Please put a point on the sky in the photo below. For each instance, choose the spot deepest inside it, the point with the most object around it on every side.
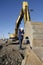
(9, 12)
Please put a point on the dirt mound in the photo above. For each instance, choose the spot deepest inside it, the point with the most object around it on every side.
(10, 57)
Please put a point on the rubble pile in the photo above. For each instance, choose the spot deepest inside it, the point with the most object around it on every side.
(10, 56)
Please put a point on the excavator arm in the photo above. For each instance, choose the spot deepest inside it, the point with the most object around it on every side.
(19, 21)
(24, 13)
(15, 35)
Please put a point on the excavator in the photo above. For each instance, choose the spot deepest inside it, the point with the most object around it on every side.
(24, 13)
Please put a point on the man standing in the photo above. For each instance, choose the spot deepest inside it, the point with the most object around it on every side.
(20, 35)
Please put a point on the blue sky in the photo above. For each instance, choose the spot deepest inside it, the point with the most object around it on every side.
(9, 12)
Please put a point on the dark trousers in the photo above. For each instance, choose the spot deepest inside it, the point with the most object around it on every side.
(20, 42)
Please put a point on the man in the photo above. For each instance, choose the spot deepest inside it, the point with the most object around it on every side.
(20, 35)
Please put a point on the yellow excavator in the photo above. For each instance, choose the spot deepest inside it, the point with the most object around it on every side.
(24, 13)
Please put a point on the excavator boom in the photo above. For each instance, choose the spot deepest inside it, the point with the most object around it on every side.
(24, 13)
